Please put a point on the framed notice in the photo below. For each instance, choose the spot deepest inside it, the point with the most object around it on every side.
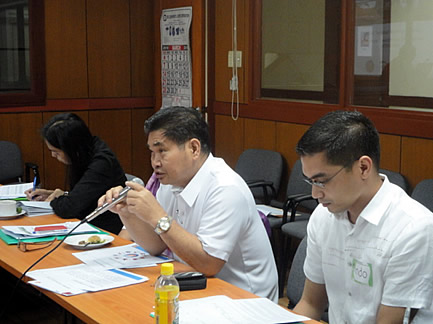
(176, 68)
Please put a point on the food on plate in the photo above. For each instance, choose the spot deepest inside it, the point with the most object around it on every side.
(94, 239)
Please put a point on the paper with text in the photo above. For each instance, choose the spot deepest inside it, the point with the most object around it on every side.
(126, 256)
(81, 278)
(14, 190)
(222, 309)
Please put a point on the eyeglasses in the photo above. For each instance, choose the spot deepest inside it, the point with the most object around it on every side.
(321, 184)
(33, 246)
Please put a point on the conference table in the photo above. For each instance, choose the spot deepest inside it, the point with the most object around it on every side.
(130, 304)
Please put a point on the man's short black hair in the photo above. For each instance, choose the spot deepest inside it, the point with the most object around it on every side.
(180, 124)
(344, 136)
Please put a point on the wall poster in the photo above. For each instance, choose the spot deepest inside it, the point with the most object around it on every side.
(176, 57)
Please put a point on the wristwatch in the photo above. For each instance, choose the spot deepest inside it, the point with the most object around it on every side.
(163, 225)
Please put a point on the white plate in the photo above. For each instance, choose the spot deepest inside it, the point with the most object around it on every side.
(14, 216)
(75, 239)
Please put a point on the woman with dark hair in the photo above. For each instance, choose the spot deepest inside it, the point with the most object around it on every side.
(92, 169)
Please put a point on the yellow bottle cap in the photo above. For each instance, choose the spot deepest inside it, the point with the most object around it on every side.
(167, 269)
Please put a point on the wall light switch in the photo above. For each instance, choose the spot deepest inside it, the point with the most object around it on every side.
(238, 59)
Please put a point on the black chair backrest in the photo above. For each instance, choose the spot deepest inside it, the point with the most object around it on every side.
(423, 193)
(260, 164)
(11, 164)
(396, 178)
(297, 185)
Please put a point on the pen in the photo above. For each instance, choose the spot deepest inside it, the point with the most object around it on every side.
(34, 186)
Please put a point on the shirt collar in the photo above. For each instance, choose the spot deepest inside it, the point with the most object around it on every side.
(376, 208)
(193, 188)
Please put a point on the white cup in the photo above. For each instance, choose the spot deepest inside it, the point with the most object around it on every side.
(8, 207)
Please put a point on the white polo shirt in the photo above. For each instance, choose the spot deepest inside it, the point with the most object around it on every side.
(386, 257)
(217, 206)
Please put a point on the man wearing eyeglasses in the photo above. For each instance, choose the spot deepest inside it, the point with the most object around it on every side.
(370, 246)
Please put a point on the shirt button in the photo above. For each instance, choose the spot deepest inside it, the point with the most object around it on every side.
(350, 294)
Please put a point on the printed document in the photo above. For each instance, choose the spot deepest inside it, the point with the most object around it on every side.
(15, 190)
(120, 257)
(82, 278)
(269, 210)
(222, 309)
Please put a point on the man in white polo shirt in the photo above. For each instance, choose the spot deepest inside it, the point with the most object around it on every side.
(203, 212)
(370, 246)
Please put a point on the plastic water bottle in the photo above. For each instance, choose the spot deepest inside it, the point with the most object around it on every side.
(167, 296)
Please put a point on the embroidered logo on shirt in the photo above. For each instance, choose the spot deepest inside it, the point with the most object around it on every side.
(362, 273)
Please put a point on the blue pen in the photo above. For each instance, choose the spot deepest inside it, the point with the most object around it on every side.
(34, 186)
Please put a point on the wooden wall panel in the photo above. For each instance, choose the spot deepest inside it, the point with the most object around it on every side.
(141, 166)
(243, 45)
(198, 53)
(288, 136)
(54, 175)
(229, 138)
(142, 48)
(223, 44)
(390, 151)
(66, 52)
(23, 130)
(259, 134)
(416, 159)
(108, 48)
(114, 128)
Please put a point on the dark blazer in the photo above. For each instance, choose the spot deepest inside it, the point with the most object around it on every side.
(103, 173)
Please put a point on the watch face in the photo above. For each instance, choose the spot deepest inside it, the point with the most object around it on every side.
(164, 224)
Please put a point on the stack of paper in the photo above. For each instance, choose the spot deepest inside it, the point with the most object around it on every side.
(25, 232)
(15, 190)
(36, 208)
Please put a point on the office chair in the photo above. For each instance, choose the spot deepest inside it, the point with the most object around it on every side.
(297, 208)
(396, 178)
(296, 279)
(296, 187)
(262, 171)
(11, 165)
(423, 193)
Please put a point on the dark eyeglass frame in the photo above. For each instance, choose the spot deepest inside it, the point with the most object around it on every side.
(321, 184)
(33, 246)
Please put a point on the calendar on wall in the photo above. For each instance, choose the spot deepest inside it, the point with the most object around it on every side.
(176, 84)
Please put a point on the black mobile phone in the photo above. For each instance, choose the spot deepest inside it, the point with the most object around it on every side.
(191, 280)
